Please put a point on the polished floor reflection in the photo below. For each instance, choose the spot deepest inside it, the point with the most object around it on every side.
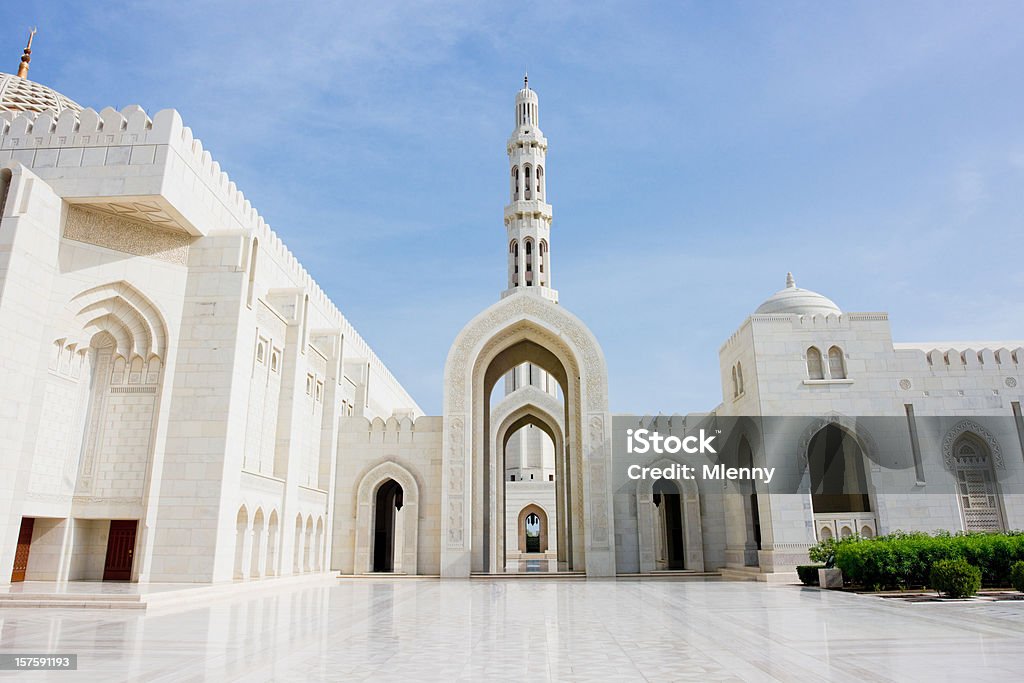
(411, 629)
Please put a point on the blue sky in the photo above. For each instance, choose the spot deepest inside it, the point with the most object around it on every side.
(698, 151)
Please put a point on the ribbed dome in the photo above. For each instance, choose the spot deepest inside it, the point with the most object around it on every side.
(526, 93)
(798, 301)
(20, 94)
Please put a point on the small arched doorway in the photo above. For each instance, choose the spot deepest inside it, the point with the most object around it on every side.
(533, 530)
(669, 516)
(752, 513)
(669, 532)
(976, 485)
(387, 503)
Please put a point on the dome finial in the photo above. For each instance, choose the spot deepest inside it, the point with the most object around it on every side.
(790, 282)
(27, 56)
(526, 80)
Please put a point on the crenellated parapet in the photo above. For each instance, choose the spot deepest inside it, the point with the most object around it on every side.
(393, 430)
(973, 358)
(156, 159)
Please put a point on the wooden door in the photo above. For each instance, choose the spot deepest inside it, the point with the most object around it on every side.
(120, 550)
(21, 554)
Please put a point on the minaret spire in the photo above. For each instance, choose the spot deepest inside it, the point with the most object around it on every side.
(528, 215)
(27, 56)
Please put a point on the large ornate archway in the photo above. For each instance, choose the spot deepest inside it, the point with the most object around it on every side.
(524, 328)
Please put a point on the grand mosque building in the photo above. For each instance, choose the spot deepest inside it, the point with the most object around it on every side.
(181, 402)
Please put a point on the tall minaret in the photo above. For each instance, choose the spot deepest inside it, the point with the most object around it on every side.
(528, 215)
(529, 454)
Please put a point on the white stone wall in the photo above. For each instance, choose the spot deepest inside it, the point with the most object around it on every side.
(118, 200)
(953, 380)
(414, 446)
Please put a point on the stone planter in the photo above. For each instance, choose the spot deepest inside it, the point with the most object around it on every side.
(830, 578)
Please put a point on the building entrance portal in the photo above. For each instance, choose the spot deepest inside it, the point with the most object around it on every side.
(387, 505)
(670, 523)
(526, 330)
(21, 554)
(532, 531)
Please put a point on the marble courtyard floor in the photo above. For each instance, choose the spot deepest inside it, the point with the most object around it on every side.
(532, 629)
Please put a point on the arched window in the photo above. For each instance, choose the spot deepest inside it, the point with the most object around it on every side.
(542, 248)
(836, 366)
(515, 183)
(735, 387)
(540, 182)
(528, 246)
(527, 193)
(739, 377)
(814, 367)
(254, 249)
(515, 263)
(305, 321)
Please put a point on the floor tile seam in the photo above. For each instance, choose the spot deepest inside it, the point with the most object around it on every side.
(754, 638)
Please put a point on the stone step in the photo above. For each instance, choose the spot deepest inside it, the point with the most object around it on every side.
(528, 575)
(668, 575)
(69, 597)
(71, 604)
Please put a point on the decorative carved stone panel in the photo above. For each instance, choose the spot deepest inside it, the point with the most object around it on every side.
(127, 236)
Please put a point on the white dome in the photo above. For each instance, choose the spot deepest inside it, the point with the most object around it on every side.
(21, 94)
(526, 93)
(797, 301)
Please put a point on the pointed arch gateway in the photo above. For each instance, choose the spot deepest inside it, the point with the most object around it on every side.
(524, 328)
(385, 488)
(540, 410)
(668, 521)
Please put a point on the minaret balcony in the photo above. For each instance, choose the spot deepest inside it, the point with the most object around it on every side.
(525, 136)
(527, 208)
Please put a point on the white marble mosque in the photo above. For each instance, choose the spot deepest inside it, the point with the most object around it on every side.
(182, 403)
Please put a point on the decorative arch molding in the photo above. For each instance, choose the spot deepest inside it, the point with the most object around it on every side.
(693, 535)
(858, 433)
(529, 396)
(522, 414)
(406, 541)
(137, 325)
(526, 317)
(549, 318)
(970, 427)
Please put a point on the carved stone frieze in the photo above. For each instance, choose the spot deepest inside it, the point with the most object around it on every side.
(126, 235)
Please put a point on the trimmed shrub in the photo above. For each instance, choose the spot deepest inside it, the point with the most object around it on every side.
(808, 573)
(903, 560)
(1017, 576)
(955, 578)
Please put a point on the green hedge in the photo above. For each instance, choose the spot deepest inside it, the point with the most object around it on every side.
(955, 578)
(1017, 576)
(808, 573)
(903, 560)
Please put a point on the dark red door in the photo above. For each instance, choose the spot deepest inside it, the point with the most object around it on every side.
(120, 550)
(21, 554)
